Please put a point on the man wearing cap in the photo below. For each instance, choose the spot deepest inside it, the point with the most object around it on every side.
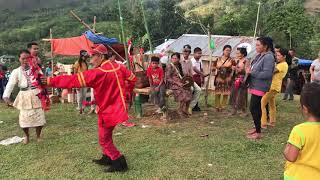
(187, 68)
(108, 81)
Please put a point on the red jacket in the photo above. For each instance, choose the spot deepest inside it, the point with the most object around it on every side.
(108, 82)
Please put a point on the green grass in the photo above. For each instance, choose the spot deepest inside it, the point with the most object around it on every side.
(172, 150)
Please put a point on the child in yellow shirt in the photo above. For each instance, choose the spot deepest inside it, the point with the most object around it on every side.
(303, 149)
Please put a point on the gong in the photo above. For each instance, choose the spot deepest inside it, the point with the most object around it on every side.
(187, 82)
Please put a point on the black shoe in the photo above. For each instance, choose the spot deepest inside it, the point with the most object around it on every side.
(105, 160)
(118, 165)
(196, 109)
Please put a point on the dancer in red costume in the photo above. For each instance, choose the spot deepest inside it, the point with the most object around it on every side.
(108, 81)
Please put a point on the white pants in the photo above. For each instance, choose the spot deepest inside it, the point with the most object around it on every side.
(81, 96)
(196, 95)
(93, 106)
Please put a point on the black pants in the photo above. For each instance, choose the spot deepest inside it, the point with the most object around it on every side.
(255, 109)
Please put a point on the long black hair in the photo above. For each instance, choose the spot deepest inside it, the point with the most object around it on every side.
(268, 42)
(243, 51)
(285, 53)
(179, 66)
(225, 47)
(310, 98)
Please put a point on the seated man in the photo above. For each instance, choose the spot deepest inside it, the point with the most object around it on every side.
(187, 71)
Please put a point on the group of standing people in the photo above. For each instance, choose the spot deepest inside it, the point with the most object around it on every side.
(235, 78)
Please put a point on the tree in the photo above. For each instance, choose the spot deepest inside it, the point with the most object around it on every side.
(292, 20)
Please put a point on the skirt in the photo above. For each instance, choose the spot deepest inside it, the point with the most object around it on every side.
(31, 112)
(31, 118)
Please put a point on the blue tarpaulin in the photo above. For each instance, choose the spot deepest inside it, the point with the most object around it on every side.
(99, 39)
(305, 62)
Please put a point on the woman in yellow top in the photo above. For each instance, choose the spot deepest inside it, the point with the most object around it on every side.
(81, 66)
(270, 97)
(222, 68)
(303, 148)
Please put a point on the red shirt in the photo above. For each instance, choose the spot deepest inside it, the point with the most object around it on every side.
(108, 82)
(2, 74)
(156, 75)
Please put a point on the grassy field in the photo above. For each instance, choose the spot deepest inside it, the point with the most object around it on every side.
(172, 150)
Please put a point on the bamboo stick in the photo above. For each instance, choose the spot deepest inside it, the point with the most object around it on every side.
(87, 26)
(94, 23)
(210, 69)
(51, 55)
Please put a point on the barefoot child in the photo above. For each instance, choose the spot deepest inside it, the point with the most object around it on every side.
(27, 101)
(156, 80)
(302, 151)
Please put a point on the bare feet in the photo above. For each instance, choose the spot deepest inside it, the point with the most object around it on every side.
(255, 136)
(92, 111)
(180, 113)
(252, 131)
(232, 113)
(272, 124)
(128, 124)
(264, 126)
(26, 140)
(243, 114)
(39, 139)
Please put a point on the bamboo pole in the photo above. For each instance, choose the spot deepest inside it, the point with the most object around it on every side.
(87, 26)
(256, 27)
(51, 55)
(210, 68)
(123, 36)
(146, 26)
(94, 23)
(79, 19)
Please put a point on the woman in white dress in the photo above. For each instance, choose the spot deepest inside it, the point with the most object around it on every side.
(31, 112)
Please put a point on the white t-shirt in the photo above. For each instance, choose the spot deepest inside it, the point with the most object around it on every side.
(316, 64)
(196, 64)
